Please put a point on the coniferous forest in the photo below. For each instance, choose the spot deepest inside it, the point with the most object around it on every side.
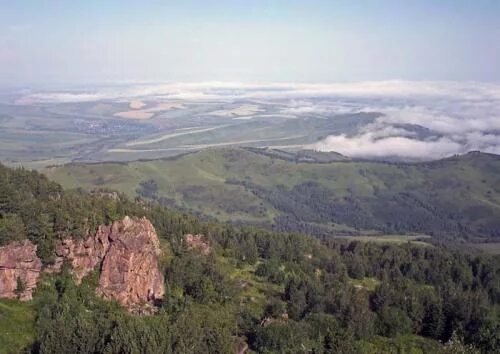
(266, 291)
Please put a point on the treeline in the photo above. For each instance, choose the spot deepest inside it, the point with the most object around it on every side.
(34, 208)
(323, 304)
(300, 156)
(273, 292)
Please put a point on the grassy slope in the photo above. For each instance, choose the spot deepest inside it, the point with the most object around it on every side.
(467, 185)
(16, 325)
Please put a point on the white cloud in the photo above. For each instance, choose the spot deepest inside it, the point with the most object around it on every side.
(236, 90)
(377, 131)
(442, 118)
(305, 107)
(367, 145)
(455, 116)
(390, 141)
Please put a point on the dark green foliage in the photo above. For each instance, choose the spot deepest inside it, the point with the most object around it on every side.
(135, 335)
(300, 293)
(12, 228)
(20, 287)
(148, 189)
(199, 278)
(204, 329)
(283, 337)
(393, 321)
(271, 271)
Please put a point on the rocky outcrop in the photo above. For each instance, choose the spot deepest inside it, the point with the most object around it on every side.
(19, 270)
(82, 255)
(129, 271)
(125, 251)
(198, 242)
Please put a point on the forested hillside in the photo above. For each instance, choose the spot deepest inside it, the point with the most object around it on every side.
(273, 292)
(322, 194)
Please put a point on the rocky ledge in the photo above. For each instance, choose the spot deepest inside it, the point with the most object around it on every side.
(126, 252)
(19, 270)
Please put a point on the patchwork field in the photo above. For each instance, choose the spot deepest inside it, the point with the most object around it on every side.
(33, 134)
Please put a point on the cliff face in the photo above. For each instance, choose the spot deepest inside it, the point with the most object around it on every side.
(126, 252)
(19, 270)
(82, 255)
(129, 271)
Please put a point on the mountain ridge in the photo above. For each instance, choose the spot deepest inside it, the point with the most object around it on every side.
(456, 196)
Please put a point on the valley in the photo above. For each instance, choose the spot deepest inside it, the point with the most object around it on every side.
(50, 130)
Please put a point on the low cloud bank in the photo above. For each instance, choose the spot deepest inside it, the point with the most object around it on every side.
(425, 129)
(367, 145)
(236, 90)
(421, 120)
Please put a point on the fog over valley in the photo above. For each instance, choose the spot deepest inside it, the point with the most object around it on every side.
(403, 120)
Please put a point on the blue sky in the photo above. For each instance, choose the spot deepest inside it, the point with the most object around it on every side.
(75, 42)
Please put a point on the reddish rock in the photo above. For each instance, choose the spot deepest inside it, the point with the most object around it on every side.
(19, 263)
(126, 253)
(129, 271)
(82, 255)
(197, 242)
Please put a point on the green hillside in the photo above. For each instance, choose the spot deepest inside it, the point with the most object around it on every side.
(272, 292)
(323, 195)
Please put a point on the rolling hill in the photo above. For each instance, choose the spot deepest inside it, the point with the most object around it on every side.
(226, 289)
(322, 194)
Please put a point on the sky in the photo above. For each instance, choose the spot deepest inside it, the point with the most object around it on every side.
(82, 42)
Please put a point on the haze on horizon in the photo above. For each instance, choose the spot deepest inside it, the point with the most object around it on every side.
(72, 43)
(420, 78)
